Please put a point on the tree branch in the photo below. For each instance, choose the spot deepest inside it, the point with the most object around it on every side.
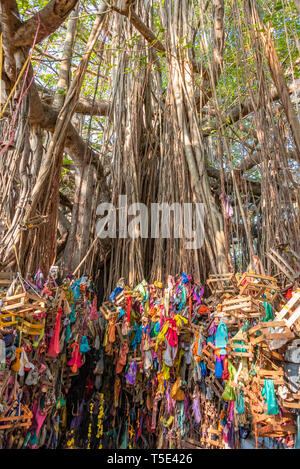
(253, 159)
(46, 116)
(9, 22)
(146, 32)
(64, 200)
(244, 109)
(297, 5)
(255, 187)
(210, 76)
(87, 107)
(84, 106)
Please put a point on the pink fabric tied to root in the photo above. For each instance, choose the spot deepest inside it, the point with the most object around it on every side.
(171, 334)
(93, 316)
(228, 207)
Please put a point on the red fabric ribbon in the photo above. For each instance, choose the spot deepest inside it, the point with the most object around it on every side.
(128, 308)
(94, 313)
(171, 334)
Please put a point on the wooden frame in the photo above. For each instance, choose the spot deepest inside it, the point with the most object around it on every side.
(283, 265)
(7, 320)
(121, 297)
(233, 353)
(23, 305)
(274, 428)
(109, 310)
(258, 286)
(29, 328)
(23, 420)
(265, 335)
(215, 385)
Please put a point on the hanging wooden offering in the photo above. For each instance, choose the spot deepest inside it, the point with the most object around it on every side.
(23, 305)
(261, 287)
(222, 283)
(290, 313)
(109, 310)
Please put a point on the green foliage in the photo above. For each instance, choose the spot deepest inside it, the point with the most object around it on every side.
(239, 78)
(28, 7)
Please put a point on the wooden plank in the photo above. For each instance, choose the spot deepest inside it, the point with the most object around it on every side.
(247, 308)
(3, 324)
(266, 278)
(28, 310)
(276, 355)
(263, 325)
(278, 381)
(242, 299)
(281, 259)
(207, 353)
(277, 428)
(5, 282)
(241, 354)
(8, 275)
(291, 405)
(293, 318)
(262, 372)
(288, 306)
(282, 335)
(221, 276)
(36, 298)
(273, 324)
(14, 297)
(12, 307)
(211, 345)
(262, 418)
